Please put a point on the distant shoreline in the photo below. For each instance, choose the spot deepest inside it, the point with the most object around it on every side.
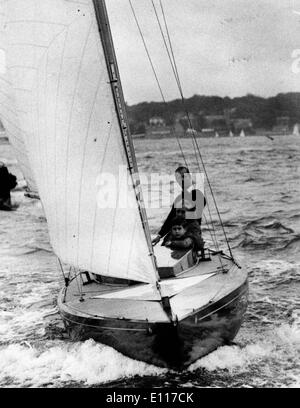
(266, 133)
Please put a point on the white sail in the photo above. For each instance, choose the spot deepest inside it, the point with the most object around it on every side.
(242, 134)
(296, 130)
(63, 116)
(10, 111)
(230, 134)
(216, 134)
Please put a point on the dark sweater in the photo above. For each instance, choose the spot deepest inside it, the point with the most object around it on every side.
(195, 194)
(185, 242)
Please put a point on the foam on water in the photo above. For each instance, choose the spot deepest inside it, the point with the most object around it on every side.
(232, 357)
(61, 362)
(289, 334)
(274, 352)
(34, 349)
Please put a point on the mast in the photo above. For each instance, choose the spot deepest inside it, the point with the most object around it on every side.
(115, 81)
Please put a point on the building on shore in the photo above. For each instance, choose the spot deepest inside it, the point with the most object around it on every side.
(157, 128)
(201, 124)
(242, 124)
(137, 130)
(216, 122)
(282, 125)
(207, 132)
(185, 125)
(157, 121)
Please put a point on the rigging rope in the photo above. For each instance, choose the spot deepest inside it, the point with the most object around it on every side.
(176, 75)
(174, 68)
(194, 141)
(62, 271)
(156, 77)
(212, 233)
(177, 78)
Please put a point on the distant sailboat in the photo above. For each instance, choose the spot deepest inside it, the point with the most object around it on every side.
(230, 134)
(296, 130)
(65, 115)
(242, 134)
(3, 137)
(216, 134)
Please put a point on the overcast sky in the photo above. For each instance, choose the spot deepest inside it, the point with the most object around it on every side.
(222, 47)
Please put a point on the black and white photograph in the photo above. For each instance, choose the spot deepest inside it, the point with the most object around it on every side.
(150, 196)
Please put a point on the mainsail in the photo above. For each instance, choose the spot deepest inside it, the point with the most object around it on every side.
(64, 118)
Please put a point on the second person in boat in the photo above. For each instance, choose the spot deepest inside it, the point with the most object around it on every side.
(189, 204)
(179, 237)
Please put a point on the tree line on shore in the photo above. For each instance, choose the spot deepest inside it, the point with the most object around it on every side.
(263, 112)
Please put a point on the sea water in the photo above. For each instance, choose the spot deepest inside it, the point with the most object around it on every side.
(256, 185)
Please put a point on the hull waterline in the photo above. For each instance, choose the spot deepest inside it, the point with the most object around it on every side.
(170, 345)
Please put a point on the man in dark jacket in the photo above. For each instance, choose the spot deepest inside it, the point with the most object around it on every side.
(7, 182)
(189, 204)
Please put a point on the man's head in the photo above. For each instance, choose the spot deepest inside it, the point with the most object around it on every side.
(180, 212)
(178, 227)
(183, 177)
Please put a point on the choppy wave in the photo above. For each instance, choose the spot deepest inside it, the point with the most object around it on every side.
(268, 356)
(85, 363)
(264, 233)
(257, 189)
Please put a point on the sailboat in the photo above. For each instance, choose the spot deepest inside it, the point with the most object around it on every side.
(242, 134)
(216, 134)
(65, 115)
(296, 130)
(230, 134)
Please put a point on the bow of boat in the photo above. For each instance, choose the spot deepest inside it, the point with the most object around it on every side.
(208, 305)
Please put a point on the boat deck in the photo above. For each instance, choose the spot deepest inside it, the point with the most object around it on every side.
(192, 290)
